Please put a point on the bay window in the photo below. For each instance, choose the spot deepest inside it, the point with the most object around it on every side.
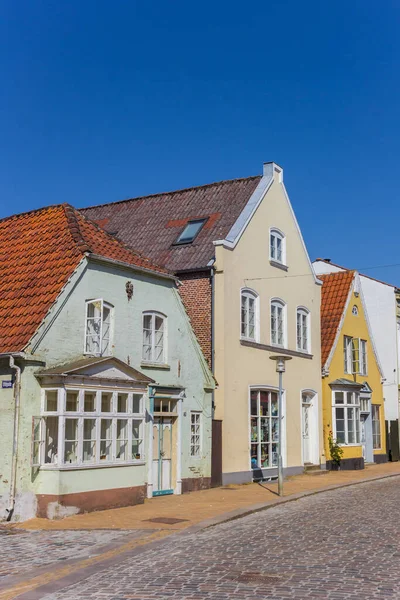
(264, 428)
(346, 417)
(88, 427)
(98, 327)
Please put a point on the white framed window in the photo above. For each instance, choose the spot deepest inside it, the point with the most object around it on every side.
(249, 315)
(277, 246)
(278, 323)
(264, 428)
(98, 327)
(376, 427)
(355, 355)
(195, 433)
(346, 416)
(154, 337)
(89, 427)
(303, 330)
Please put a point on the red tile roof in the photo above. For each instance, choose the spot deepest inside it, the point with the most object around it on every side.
(39, 251)
(335, 291)
(152, 224)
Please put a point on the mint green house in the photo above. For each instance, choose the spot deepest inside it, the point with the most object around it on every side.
(105, 394)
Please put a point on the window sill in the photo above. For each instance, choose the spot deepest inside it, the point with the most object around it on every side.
(81, 467)
(278, 265)
(359, 445)
(153, 365)
(276, 349)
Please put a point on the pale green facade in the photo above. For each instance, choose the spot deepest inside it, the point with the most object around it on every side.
(60, 340)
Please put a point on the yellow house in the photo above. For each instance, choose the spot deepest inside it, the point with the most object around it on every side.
(352, 392)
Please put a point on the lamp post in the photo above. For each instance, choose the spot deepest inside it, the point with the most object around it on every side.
(280, 368)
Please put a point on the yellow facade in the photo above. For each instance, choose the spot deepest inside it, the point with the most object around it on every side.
(354, 325)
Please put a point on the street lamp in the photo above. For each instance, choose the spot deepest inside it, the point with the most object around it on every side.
(280, 368)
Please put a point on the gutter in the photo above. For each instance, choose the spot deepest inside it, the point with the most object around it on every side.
(120, 263)
(17, 387)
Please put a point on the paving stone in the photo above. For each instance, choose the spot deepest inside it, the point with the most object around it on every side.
(340, 545)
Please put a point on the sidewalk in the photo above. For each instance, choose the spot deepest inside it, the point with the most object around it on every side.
(196, 507)
(145, 526)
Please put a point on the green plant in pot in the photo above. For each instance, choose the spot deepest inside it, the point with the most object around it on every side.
(335, 451)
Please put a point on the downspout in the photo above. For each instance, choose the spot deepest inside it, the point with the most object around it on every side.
(212, 276)
(17, 387)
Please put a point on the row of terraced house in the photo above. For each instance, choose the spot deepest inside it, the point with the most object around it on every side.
(135, 347)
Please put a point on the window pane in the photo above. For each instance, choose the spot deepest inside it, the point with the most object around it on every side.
(122, 439)
(278, 249)
(72, 402)
(105, 343)
(265, 457)
(340, 431)
(51, 403)
(274, 404)
(190, 231)
(122, 404)
(93, 327)
(71, 441)
(106, 439)
(106, 402)
(243, 325)
(264, 431)
(339, 398)
(253, 403)
(89, 401)
(272, 246)
(349, 396)
(137, 451)
(51, 440)
(350, 426)
(254, 429)
(264, 403)
(89, 440)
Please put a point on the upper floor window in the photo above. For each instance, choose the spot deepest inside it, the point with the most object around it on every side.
(191, 231)
(249, 315)
(355, 355)
(277, 249)
(303, 329)
(154, 330)
(278, 322)
(98, 325)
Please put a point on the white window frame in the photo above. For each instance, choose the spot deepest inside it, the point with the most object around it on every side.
(355, 354)
(374, 408)
(302, 311)
(250, 294)
(103, 305)
(278, 303)
(274, 235)
(355, 405)
(96, 415)
(197, 414)
(154, 314)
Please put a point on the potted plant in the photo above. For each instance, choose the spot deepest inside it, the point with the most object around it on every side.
(336, 452)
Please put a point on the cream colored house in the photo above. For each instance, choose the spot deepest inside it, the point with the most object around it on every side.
(267, 302)
(250, 291)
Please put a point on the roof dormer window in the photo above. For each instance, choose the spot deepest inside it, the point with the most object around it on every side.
(191, 231)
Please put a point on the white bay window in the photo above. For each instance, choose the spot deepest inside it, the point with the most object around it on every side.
(346, 417)
(88, 427)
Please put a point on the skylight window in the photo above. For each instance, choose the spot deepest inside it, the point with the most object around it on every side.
(191, 231)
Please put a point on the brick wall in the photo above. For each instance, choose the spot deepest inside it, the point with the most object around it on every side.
(196, 295)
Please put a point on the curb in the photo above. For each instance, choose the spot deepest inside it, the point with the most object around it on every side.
(40, 591)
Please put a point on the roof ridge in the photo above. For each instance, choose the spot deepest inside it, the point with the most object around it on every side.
(74, 228)
(188, 189)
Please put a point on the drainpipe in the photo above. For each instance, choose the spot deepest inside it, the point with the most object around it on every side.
(212, 275)
(152, 393)
(17, 386)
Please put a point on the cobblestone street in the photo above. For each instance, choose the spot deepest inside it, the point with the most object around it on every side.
(336, 545)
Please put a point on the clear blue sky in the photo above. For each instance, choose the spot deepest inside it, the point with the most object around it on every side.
(105, 100)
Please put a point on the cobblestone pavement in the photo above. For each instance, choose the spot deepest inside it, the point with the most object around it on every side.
(337, 545)
(21, 551)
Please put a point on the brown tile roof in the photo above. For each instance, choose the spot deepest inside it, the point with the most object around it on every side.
(335, 290)
(39, 251)
(152, 224)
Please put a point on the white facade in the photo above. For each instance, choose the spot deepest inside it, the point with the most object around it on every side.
(380, 302)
